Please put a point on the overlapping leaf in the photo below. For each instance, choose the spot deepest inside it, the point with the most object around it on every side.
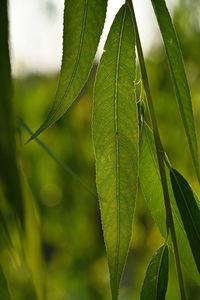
(115, 134)
(83, 24)
(179, 79)
(189, 211)
(156, 279)
(152, 190)
(4, 293)
(9, 174)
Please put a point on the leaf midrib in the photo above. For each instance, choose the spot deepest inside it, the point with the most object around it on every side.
(117, 141)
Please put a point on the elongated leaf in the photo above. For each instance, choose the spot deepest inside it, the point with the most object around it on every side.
(115, 134)
(9, 174)
(83, 24)
(33, 241)
(189, 211)
(152, 190)
(179, 79)
(4, 293)
(156, 279)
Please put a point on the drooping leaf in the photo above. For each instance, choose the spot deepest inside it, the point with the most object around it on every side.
(83, 24)
(4, 293)
(156, 278)
(179, 79)
(189, 211)
(152, 190)
(9, 174)
(115, 135)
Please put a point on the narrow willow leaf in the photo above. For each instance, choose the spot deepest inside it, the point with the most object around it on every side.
(4, 293)
(83, 24)
(115, 135)
(152, 190)
(189, 211)
(156, 279)
(9, 174)
(179, 79)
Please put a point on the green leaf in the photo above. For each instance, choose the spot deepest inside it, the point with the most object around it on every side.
(189, 211)
(152, 190)
(179, 79)
(4, 293)
(156, 279)
(115, 135)
(9, 174)
(32, 241)
(83, 24)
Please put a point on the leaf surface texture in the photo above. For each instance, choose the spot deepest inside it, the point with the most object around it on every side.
(115, 135)
(83, 24)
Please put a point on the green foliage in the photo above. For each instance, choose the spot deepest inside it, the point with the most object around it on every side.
(83, 24)
(123, 143)
(152, 190)
(156, 279)
(189, 210)
(115, 134)
(179, 79)
(4, 293)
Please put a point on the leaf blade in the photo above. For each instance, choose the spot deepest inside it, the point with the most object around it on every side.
(189, 211)
(9, 172)
(178, 75)
(156, 278)
(80, 41)
(115, 136)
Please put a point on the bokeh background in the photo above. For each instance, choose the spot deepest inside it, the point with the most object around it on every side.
(72, 238)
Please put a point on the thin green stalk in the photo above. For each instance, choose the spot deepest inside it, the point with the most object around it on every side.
(160, 155)
(52, 155)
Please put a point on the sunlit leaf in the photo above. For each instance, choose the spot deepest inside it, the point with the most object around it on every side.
(83, 24)
(156, 279)
(179, 79)
(115, 134)
(4, 293)
(152, 190)
(9, 174)
(189, 211)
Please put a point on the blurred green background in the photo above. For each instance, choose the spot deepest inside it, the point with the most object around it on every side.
(72, 238)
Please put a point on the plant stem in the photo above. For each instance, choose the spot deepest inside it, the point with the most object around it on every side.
(160, 155)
